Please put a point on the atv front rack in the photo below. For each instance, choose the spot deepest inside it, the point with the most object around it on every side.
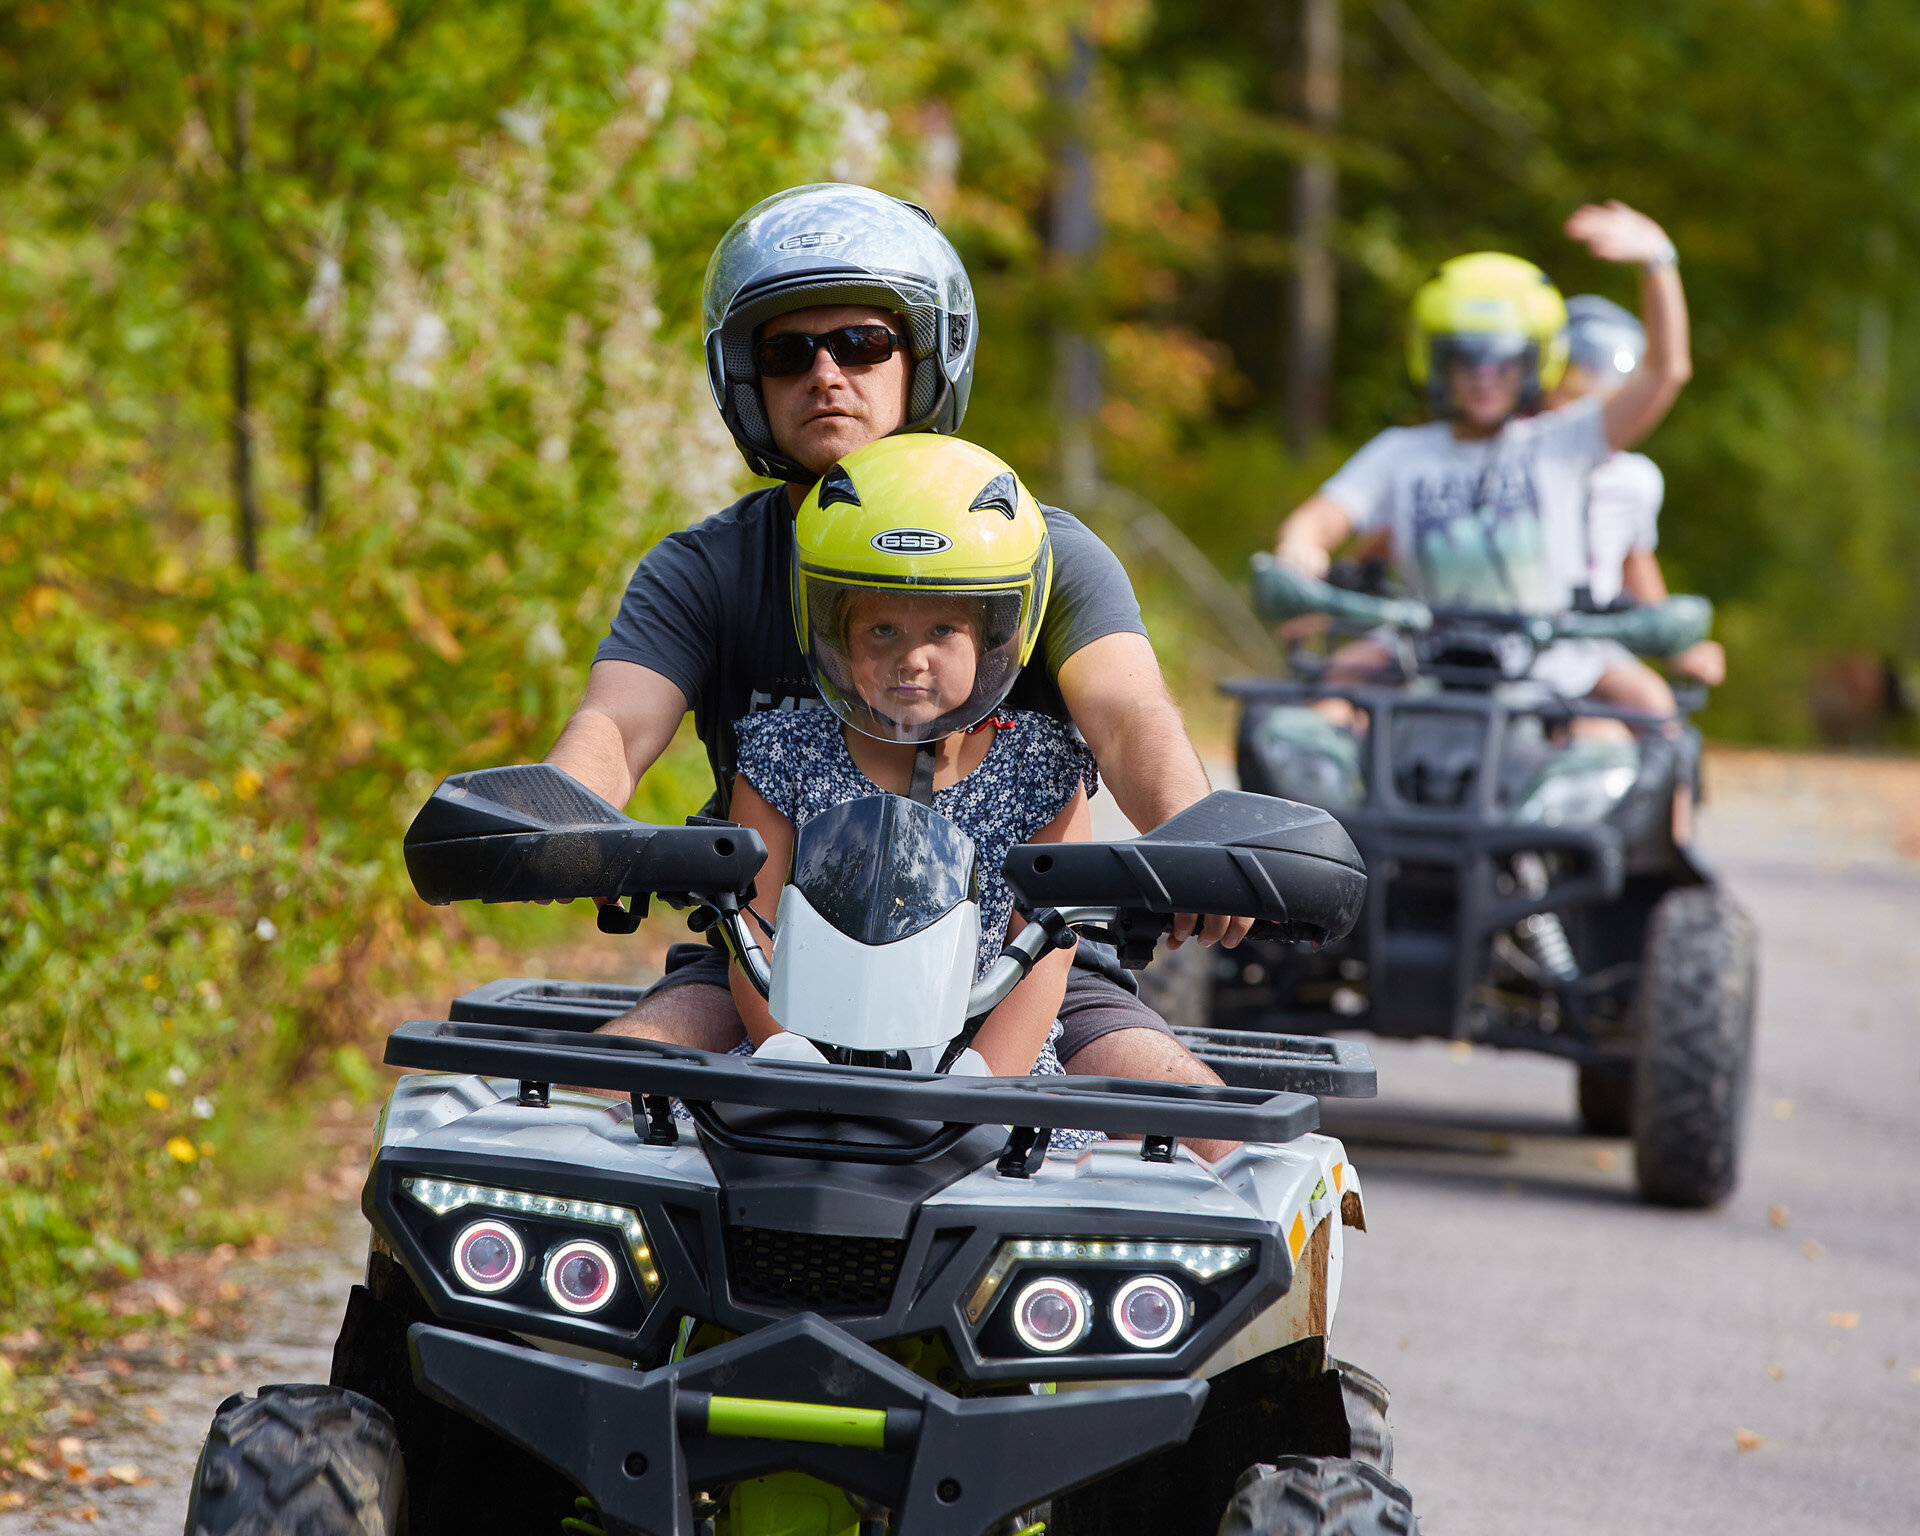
(898, 1106)
(1328, 1069)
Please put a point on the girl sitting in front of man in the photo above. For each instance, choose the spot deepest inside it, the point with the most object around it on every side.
(921, 568)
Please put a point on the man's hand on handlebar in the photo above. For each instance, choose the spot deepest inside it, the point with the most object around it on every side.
(1224, 931)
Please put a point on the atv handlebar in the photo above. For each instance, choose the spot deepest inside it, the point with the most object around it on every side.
(1282, 592)
(533, 833)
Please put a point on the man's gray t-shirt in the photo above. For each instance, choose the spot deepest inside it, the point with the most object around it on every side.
(710, 609)
(1495, 523)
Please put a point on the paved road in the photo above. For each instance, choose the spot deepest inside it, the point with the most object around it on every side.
(1564, 1359)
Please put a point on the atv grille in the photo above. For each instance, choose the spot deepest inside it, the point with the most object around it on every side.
(812, 1271)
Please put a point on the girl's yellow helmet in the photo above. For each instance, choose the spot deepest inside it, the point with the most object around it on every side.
(1488, 308)
(928, 515)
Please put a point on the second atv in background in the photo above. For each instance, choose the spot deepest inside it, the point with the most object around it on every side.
(1529, 890)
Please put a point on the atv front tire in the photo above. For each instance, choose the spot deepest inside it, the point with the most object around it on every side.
(1695, 1016)
(1365, 1398)
(1318, 1496)
(299, 1461)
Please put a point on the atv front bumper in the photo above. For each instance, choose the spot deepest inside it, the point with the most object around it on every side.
(798, 1396)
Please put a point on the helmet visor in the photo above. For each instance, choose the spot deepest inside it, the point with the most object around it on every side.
(911, 664)
(1481, 349)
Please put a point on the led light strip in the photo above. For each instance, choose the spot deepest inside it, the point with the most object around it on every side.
(1204, 1261)
(443, 1195)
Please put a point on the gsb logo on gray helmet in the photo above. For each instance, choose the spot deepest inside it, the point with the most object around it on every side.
(911, 541)
(812, 240)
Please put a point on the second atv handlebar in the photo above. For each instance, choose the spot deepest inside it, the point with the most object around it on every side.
(1283, 592)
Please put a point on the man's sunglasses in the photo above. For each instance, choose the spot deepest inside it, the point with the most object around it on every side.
(851, 346)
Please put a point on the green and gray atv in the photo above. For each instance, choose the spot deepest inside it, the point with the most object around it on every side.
(845, 1296)
(1533, 884)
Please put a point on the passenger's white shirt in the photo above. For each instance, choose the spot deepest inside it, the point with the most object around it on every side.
(1623, 515)
(1494, 523)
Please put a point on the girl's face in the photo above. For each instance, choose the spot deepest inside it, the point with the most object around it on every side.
(914, 655)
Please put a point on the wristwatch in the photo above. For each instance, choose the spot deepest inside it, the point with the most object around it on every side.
(1667, 256)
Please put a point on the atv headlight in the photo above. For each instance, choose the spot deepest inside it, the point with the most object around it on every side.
(1575, 799)
(443, 1195)
(1204, 1261)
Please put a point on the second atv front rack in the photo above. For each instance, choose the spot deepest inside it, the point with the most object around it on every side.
(935, 1108)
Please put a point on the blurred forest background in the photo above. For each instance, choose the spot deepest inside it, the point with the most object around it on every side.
(348, 360)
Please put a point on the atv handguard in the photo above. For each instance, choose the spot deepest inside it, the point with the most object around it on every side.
(1290, 867)
(533, 833)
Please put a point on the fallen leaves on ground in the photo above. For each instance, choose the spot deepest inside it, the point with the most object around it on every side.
(1601, 1158)
(1813, 1251)
(1777, 1214)
(1745, 1440)
(1783, 1109)
(1843, 1319)
(1775, 1370)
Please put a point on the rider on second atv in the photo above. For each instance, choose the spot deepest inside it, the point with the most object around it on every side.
(1485, 507)
(836, 316)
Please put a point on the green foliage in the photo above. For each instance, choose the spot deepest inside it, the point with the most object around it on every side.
(206, 774)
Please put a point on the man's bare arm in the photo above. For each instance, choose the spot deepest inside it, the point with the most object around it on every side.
(1117, 697)
(624, 721)
(1312, 532)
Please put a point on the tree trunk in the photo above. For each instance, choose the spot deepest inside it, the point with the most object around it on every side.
(1313, 291)
(246, 506)
(1075, 236)
(313, 442)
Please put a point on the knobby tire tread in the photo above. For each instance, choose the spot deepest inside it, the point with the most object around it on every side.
(1318, 1496)
(1696, 1009)
(299, 1461)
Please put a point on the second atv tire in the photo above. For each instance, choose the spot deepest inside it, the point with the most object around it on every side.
(299, 1461)
(1318, 1496)
(1695, 1017)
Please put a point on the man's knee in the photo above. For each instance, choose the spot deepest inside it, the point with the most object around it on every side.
(1141, 1053)
(696, 1014)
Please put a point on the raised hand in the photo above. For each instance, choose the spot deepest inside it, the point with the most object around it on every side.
(1615, 232)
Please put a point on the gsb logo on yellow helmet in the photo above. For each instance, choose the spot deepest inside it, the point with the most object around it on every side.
(911, 541)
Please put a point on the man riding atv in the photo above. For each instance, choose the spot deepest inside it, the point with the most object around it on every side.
(836, 316)
(1485, 506)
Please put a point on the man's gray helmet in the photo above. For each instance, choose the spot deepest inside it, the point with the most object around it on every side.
(1604, 339)
(833, 243)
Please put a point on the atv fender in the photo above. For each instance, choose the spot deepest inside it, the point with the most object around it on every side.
(1313, 1193)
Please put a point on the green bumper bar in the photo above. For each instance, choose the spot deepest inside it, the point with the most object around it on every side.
(764, 1418)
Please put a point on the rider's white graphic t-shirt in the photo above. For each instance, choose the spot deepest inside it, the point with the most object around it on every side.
(1495, 523)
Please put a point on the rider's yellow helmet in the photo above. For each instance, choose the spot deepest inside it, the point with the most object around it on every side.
(1488, 308)
(910, 529)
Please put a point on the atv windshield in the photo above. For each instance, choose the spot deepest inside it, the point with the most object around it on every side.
(882, 868)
